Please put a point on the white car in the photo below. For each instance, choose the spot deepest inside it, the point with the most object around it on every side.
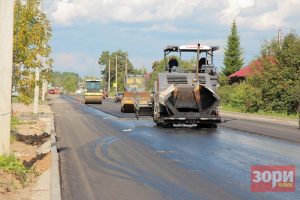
(78, 92)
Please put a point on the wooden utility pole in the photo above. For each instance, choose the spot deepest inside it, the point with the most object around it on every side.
(6, 64)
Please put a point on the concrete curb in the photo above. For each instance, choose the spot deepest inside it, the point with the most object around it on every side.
(55, 191)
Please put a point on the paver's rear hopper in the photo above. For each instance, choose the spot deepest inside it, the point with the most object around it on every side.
(188, 105)
(127, 103)
(143, 104)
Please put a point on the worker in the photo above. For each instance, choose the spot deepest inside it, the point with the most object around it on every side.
(173, 64)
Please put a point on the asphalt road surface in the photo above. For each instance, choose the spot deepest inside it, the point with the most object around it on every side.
(107, 157)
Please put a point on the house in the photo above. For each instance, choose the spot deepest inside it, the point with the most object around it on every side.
(251, 69)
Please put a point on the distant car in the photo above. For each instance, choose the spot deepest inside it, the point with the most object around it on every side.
(51, 91)
(66, 92)
(118, 97)
(78, 92)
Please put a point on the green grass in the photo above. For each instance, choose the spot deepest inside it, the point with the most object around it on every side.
(262, 113)
(15, 99)
(12, 165)
(14, 122)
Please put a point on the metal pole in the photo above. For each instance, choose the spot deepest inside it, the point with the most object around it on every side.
(116, 81)
(197, 68)
(36, 91)
(109, 75)
(6, 63)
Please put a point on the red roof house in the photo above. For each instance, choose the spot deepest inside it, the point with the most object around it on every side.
(253, 68)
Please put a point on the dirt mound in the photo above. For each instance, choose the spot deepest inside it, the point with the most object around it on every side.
(32, 139)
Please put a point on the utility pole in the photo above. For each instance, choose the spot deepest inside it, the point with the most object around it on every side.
(116, 74)
(45, 84)
(37, 79)
(6, 63)
(36, 91)
(279, 36)
(126, 66)
(197, 66)
(44, 89)
(108, 75)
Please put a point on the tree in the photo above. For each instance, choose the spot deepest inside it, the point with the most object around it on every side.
(67, 80)
(233, 60)
(32, 33)
(121, 57)
(280, 81)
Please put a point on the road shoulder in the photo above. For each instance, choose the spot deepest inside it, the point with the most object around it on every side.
(269, 126)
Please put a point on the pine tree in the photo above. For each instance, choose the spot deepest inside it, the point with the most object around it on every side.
(233, 60)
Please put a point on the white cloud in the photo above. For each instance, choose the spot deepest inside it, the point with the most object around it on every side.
(261, 15)
(67, 11)
(234, 8)
(165, 27)
(254, 14)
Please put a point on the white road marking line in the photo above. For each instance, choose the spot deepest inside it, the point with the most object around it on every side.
(127, 130)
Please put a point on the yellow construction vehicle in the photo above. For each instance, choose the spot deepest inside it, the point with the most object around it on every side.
(136, 99)
(93, 92)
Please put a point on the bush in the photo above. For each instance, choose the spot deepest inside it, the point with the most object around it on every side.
(242, 96)
(13, 165)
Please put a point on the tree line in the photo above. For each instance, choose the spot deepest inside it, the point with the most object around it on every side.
(67, 80)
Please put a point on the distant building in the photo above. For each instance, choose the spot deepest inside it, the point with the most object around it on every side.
(147, 75)
(251, 69)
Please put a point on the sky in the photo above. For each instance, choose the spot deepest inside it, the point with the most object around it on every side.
(82, 29)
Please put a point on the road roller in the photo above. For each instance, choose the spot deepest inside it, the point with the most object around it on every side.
(187, 96)
(93, 93)
(135, 98)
